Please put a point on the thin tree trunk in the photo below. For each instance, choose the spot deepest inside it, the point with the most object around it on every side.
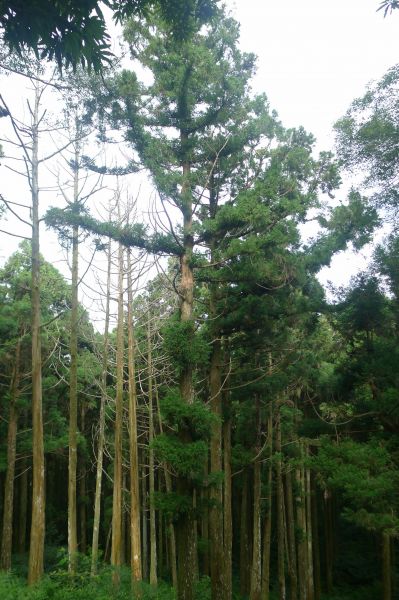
(280, 513)
(171, 527)
(73, 401)
(36, 550)
(215, 512)
(316, 545)
(153, 530)
(268, 516)
(244, 539)
(117, 483)
(135, 538)
(23, 503)
(227, 504)
(301, 526)
(309, 532)
(328, 539)
(101, 434)
(144, 536)
(256, 574)
(82, 489)
(6, 541)
(386, 567)
(291, 546)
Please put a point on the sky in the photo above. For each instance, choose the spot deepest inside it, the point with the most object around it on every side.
(314, 58)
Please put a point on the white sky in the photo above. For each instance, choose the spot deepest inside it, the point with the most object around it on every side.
(314, 58)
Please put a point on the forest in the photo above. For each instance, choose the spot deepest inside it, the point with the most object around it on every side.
(186, 413)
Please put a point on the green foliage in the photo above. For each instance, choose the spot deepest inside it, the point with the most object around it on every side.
(184, 347)
(194, 418)
(187, 459)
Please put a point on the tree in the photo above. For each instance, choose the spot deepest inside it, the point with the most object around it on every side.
(76, 34)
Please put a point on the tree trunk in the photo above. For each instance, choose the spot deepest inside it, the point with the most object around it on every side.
(328, 523)
(73, 401)
(280, 513)
(23, 503)
(244, 539)
(290, 521)
(301, 526)
(268, 516)
(215, 512)
(82, 489)
(36, 550)
(228, 520)
(135, 538)
(117, 483)
(386, 567)
(256, 574)
(101, 433)
(316, 545)
(153, 529)
(309, 536)
(144, 536)
(6, 541)
(171, 527)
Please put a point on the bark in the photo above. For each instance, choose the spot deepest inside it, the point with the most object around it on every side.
(144, 536)
(215, 512)
(386, 567)
(82, 489)
(36, 550)
(116, 557)
(73, 402)
(316, 545)
(153, 530)
(290, 525)
(328, 524)
(185, 527)
(6, 541)
(101, 434)
(309, 535)
(23, 505)
(135, 538)
(227, 504)
(205, 525)
(244, 539)
(280, 514)
(268, 516)
(301, 526)
(171, 527)
(256, 575)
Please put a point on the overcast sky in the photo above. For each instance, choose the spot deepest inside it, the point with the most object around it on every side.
(314, 58)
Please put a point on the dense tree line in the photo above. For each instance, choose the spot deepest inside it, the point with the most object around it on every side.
(228, 431)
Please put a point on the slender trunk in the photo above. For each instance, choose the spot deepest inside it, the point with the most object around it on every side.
(280, 513)
(36, 550)
(153, 530)
(386, 567)
(228, 519)
(268, 516)
(256, 575)
(117, 483)
(215, 512)
(101, 433)
(6, 541)
(244, 539)
(82, 488)
(144, 536)
(23, 504)
(135, 538)
(309, 532)
(205, 524)
(171, 527)
(73, 401)
(328, 521)
(291, 546)
(316, 545)
(301, 527)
